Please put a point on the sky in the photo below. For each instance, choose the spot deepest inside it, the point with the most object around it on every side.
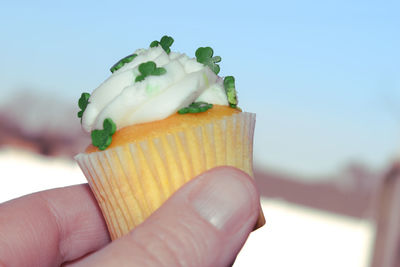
(323, 77)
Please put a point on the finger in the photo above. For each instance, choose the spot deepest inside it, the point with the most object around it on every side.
(205, 223)
(50, 227)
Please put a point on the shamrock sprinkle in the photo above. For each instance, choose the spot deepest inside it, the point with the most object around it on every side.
(195, 107)
(149, 68)
(165, 42)
(204, 55)
(102, 138)
(122, 62)
(82, 103)
(229, 85)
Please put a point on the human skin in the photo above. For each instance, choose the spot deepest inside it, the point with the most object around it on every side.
(205, 223)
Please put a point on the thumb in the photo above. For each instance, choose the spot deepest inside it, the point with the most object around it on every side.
(205, 223)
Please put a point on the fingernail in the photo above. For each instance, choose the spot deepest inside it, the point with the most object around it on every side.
(224, 197)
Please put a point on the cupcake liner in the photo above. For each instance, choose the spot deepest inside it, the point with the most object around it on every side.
(131, 181)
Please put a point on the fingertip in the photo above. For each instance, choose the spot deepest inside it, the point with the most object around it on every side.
(248, 181)
(227, 198)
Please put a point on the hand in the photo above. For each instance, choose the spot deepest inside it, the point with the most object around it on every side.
(205, 223)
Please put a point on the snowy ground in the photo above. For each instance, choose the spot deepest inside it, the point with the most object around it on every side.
(293, 235)
(297, 236)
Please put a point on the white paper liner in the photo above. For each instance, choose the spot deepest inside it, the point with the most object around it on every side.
(131, 181)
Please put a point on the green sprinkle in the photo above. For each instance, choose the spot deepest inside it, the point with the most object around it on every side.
(102, 138)
(165, 42)
(229, 85)
(195, 107)
(204, 55)
(82, 103)
(122, 62)
(149, 68)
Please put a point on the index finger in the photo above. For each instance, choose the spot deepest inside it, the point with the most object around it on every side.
(50, 227)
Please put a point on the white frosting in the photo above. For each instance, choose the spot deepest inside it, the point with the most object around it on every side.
(128, 102)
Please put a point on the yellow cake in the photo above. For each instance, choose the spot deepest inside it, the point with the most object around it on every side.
(154, 133)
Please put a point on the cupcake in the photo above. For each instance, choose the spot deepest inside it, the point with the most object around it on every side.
(158, 121)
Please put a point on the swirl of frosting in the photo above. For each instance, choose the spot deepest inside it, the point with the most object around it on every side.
(128, 102)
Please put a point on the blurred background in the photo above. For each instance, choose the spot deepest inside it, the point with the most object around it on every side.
(323, 78)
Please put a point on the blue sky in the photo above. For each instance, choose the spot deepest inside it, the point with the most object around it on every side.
(322, 76)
